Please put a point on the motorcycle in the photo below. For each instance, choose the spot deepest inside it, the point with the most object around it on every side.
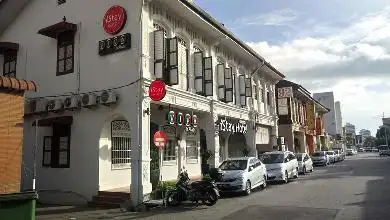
(204, 191)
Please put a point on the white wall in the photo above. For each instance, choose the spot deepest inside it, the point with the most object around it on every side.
(37, 62)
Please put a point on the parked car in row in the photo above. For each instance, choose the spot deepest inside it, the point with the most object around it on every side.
(320, 158)
(242, 175)
(305, 163)
(281, 165)
(332, 156)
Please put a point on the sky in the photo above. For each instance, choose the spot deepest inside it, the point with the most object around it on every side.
(340, 46)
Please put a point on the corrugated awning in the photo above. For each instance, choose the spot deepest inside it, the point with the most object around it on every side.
(47, 122)
(17, 84)
(54, 30)
(8, 46)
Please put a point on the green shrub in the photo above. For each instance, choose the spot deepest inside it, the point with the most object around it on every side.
(207, 177)
(166, 185)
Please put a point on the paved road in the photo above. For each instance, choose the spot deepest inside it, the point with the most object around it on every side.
(357, 188)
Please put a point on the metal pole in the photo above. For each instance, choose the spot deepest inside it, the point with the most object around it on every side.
(387, 144)
(35, 155)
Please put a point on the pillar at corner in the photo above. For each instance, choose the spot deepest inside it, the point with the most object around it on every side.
(140, 152)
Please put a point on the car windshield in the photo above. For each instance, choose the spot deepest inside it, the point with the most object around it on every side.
(299, 157)
(234, 165)
(318, 154)
(272, 158)
(329, 153)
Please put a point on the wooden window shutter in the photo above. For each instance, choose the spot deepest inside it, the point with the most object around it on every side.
(198, 73)
(159, 54)
(228, 85)
(248, 87)
(242, 90)
(221, 81)
(208, 76)
(173, 71)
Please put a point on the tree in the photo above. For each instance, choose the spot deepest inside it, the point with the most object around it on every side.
(381, 135)
(369, 142)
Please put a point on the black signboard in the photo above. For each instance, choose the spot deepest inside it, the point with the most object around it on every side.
(115, 44)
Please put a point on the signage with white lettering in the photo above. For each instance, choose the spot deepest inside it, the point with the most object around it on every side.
(285, 92)
(227, 126)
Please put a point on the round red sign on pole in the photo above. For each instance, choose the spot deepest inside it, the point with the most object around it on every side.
(160, 139)
(114, 20)
(157, 90)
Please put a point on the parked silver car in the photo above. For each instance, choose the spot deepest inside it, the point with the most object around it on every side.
(242, 175)
(320, 158)
(332, 156)
(281, 165)
(305, 163)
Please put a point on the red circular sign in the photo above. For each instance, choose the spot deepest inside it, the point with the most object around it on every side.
(114, 20)
(157, 90)
(160, 139)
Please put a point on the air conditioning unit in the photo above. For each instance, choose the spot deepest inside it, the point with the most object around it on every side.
(55, 105)
(72, 102)
(41, 105)
(29, 107)
(89, 100)
(108, 97)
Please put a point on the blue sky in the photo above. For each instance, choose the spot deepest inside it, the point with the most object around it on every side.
(341, 46)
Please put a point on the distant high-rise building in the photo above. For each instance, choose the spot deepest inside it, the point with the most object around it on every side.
(350, 133)
(365, 134)
(327, 99)
(339, 118)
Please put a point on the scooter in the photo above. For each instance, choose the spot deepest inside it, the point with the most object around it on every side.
(199, 191)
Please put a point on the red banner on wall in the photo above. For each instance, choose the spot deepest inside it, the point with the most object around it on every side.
(318, 126)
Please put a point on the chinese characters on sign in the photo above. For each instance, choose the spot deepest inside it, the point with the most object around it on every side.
(157, 90)
(285, 92)
(240, 127)
(115, 44)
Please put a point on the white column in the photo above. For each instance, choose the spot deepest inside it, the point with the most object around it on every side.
(140, 152)
(212, 139)
(190, 71)
(251, 138)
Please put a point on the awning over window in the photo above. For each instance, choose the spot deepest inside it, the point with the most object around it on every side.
(54, 30)
(17, 84)
(47, 122)
(6, 46)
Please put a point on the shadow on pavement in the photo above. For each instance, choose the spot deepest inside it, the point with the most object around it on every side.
(376, 203)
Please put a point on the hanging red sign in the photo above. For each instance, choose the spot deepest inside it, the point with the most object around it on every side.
(157, 90)
(114, 20)
(160, 139)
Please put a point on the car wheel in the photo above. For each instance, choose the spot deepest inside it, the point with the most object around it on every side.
(248, 188)
(304, 170)
(264, 182)
(296, 173)
(312, 169)
(285, 180)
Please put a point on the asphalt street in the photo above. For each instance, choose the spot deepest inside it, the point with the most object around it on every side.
(357, 188)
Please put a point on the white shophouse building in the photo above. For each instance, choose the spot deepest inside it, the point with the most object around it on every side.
(96, 120)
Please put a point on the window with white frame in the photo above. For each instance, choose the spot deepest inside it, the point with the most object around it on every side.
(183, 64)
(159, 51)
(169, 152)
(120, 144)
(245, 89)
(192, 153)
(228, 82)
(221, 80)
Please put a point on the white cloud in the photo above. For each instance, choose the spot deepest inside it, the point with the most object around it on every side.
(283, 17)
(353, 62)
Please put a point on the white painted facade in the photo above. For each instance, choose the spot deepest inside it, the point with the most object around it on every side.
(128, 74)
(327, 99)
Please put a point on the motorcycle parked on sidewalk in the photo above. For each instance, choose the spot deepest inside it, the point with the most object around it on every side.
(204, 191)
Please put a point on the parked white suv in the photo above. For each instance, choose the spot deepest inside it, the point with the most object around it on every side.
(281, 165)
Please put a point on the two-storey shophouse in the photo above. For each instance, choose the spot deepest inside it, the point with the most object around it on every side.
(93, 119)
(299, 117)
